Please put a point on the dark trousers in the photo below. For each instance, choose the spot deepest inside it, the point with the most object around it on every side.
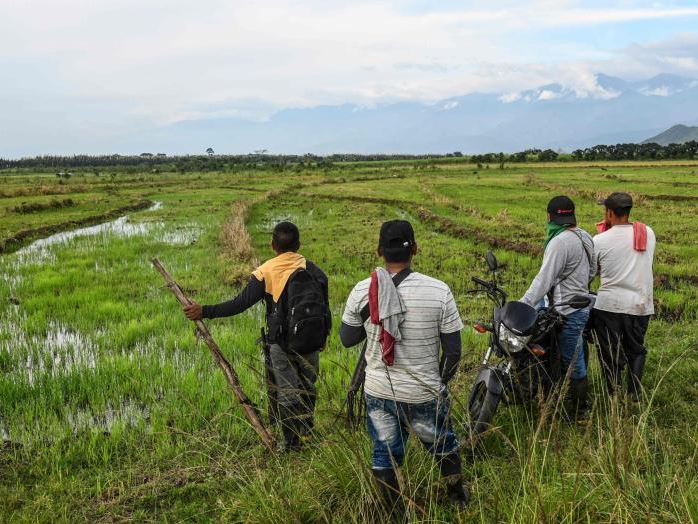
(295, 376)
(621, 341)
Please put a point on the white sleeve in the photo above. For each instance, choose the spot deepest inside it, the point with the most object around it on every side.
(352, 310)
(450, 318)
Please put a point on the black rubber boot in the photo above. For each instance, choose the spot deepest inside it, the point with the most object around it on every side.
(635, 368)
(292, 441)
(578, 399)
(452, 473)
(389, 490)
(308, 409)
(291, 428)
(612, 374)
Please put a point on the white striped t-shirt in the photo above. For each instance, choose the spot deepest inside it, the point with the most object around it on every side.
(429, 311)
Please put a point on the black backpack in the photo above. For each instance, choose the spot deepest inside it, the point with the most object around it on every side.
(302, 314)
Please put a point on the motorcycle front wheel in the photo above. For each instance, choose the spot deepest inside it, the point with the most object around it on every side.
(482, 407)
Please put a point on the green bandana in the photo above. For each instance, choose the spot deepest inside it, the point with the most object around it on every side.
(554, 230)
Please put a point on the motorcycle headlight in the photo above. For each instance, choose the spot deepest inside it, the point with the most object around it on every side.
(510, 341)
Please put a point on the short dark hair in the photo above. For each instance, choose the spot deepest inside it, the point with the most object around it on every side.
(286, 237)
(621, 212)
(397, 255)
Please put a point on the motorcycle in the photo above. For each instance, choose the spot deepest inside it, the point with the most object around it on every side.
(524, 339)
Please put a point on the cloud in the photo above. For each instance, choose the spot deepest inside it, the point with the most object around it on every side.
(578, 17)
(547, 94)
(657, 91)
(583, 80)
(508, 98)
(452, 104)
(678, 55)
(164, 61)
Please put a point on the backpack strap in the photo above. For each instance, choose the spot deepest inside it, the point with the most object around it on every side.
(584, 246)
(284, 294)
(568, 275)
(397, 280)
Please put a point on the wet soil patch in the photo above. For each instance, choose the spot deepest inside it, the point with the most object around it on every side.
(361, 199)
(670, 282)
(448, 227)
(572, 191)
(439, 223)
(25, 208)
(673, 198)
(669, 313)
(245, 188)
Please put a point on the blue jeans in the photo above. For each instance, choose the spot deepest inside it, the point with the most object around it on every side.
(390, 423)
(571, 344)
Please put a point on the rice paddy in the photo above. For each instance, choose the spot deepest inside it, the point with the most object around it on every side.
(112, 410)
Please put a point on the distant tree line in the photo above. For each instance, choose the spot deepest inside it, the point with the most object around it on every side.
(261, 159)
(90, 161)
(530, 155)
(652, 151)
(207, 162)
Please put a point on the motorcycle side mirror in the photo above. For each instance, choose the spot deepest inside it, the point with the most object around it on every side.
(579, 302)
(491, 261)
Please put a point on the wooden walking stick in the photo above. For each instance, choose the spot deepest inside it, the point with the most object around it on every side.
(354, 400)
(230, 375)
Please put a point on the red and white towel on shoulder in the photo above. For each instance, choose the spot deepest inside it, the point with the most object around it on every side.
(387, 310)
(639, 234)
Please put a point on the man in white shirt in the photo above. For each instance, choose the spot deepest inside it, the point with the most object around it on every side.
(413, 329)
(624, 252)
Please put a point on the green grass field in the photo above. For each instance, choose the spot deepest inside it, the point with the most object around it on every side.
(111, 410)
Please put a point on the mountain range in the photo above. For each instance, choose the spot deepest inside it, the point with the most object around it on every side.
(551, 116)
(677, 134)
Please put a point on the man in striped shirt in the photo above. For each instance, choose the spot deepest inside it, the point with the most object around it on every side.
(406, 373)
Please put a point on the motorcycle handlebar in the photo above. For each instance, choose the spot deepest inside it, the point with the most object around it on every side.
(492, 290)
(481, 282)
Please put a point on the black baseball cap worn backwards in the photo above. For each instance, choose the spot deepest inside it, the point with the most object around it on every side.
(396, 236)
(561, 211)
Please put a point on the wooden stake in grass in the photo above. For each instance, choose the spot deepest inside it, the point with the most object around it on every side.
(230, 375)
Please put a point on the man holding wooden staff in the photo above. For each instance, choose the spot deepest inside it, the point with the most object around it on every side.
(295, 292)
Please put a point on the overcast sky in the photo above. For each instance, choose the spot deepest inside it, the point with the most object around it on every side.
(81, 71)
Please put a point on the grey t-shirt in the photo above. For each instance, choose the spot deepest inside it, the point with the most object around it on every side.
(429, 311)
(565, 268)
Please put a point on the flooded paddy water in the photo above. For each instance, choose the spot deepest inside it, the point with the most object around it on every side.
(35, 355)
(90, 343)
